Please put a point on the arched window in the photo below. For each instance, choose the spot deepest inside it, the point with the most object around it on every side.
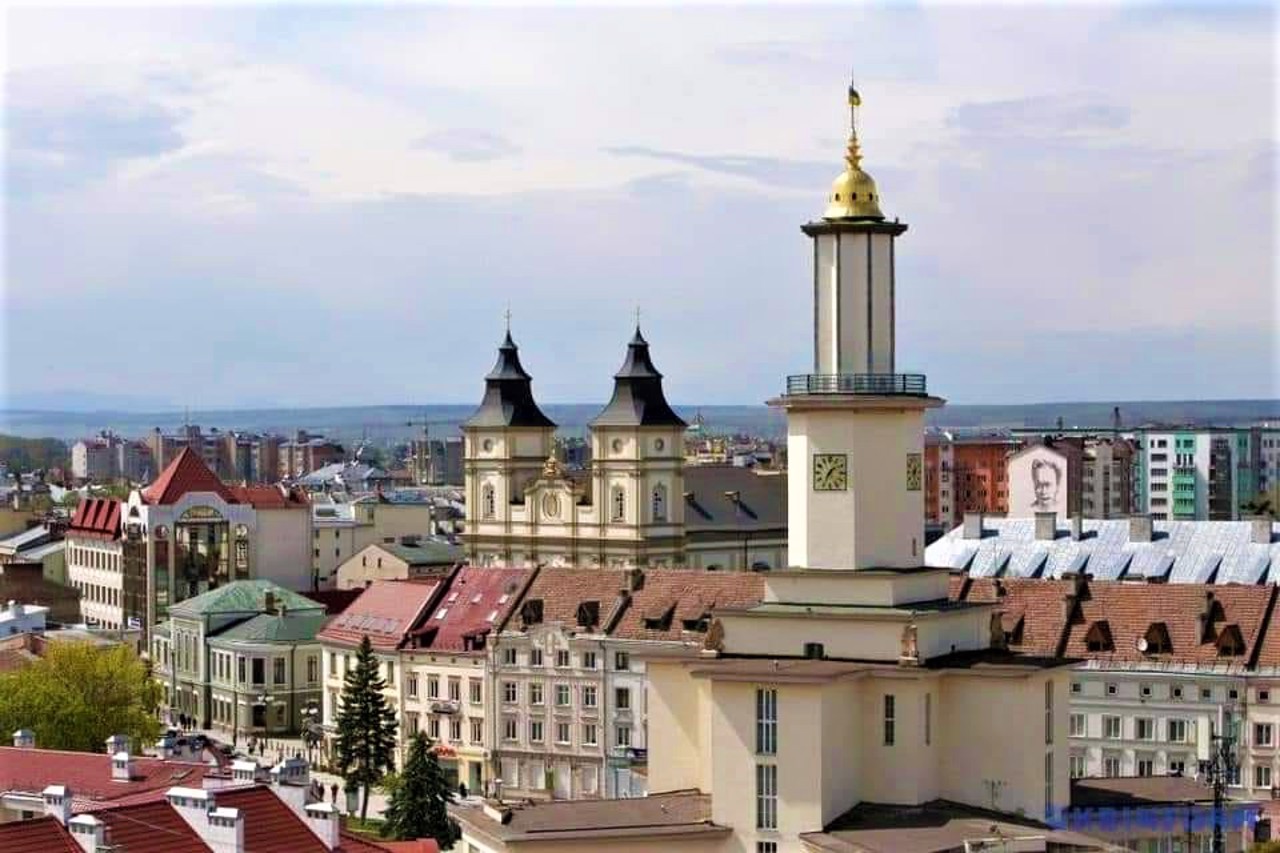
(488, 508)
(618, 503)
(660, 502)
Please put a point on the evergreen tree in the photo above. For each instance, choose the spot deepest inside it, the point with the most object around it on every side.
(366, 725)
(418, 806)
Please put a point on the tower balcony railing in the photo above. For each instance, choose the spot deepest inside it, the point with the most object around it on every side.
(903, 384)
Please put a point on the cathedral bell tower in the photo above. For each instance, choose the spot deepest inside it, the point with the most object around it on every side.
(855, 426)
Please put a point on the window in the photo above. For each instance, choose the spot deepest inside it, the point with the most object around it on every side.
(766, 721)
(433, 728)
(277, 671)
(477, 730)
(928, 719)
(562, 695)
(1145, 728)
(1076, 688)
(1177, 730)
(1077, 725)
(476, 691)
(621, 661)
(509, 694)
(1206, 693)
(535, 731)
(535, 693)
(455, 689)
(1262, 734)
(562, 733)
(488, 502)
(766, 796)
(618, 502)
(411, 686)
(1048, 782)
(509, 656)
(889, 720)
(1111, 727)
(1264, 695)
(1233, 694)
(509, 728)
(535, 657)
(1048, 712)
(413, 723)
(622, 735)
(1112, 689)
(1262, 776)
(455, 730)
(1110, 765)
(766, 847)
(1076, 765)
(622, 698)
(1145, 690)
(259, 671)
(659, 502)
(433, 687)
(313, 669)
(588, 695)
(562, 658)
(588, 660)
(1175, 692)
(589, 734)
(1177, 765)
(1145, 764)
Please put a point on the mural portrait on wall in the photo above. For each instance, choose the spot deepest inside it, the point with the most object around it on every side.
(1046, 482)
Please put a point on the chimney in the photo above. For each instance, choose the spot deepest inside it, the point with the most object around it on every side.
(57, 803)
(269, 602)
(324, 821)
(24, 739)
(635, 580)
(1140, 528)
(122, 767)
(225, 832)
(972, 525)
(1046, 526)
(1260, 530)
(117, 743)
(244, 771)
(1077, 527)
(192, 805)
(290, 780)
(89, 832)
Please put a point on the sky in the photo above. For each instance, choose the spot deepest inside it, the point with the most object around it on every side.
(287, 205)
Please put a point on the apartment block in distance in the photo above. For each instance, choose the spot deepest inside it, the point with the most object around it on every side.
(965, 473)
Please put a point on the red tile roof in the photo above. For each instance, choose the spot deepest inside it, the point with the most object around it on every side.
(270, 497)
(422, 845)
(96, 518)
(562, 590)
(271, 826)
(475, 602)
(186, 473)
(39, 835)
(1131, 609)
(689, 596)
(88, 774)
(386, 611)
(1034, 612)
(151, 828)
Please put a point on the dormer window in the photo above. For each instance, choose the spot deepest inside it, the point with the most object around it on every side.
(1157, 639)
(1230, 641)
(588, 614)
(1098, 638)
(531, 611)
(659, 618)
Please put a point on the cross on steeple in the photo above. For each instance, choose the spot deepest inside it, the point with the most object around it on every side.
(506, 315)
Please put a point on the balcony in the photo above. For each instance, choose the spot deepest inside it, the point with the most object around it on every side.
(445, 706)
(877, 384)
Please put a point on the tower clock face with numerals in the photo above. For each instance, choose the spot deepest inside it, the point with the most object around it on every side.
(913, 472)
(830, 472)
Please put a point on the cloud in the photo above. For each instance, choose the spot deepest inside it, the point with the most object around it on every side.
(771, 171)
(1039, 116)
(464, 145)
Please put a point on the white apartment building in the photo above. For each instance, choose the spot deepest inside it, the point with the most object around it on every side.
(342, 529)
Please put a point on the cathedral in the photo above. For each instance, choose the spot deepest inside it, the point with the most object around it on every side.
(636, 505)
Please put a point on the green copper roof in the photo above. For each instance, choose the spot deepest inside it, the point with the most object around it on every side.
(242, 597)
(426, 553)
(273, 628)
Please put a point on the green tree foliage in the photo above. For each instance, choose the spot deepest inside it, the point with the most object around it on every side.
(31, 454)
(418, 805)
(366, 726)
(78, 695)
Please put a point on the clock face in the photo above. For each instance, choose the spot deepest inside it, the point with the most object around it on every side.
(551, 505)
(913, 472)
(830, 472)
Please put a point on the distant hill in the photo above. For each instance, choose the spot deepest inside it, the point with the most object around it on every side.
(28, 454)
(383, 424)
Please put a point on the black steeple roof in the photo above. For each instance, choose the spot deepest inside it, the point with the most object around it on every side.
(637, 392)
(508, 394)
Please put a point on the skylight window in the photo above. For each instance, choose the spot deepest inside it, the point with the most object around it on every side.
(477, 598)
(441, 612)
(493, 615)
(453, 597)
(503, 598)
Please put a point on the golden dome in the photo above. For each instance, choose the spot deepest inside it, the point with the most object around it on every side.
(853, 193)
